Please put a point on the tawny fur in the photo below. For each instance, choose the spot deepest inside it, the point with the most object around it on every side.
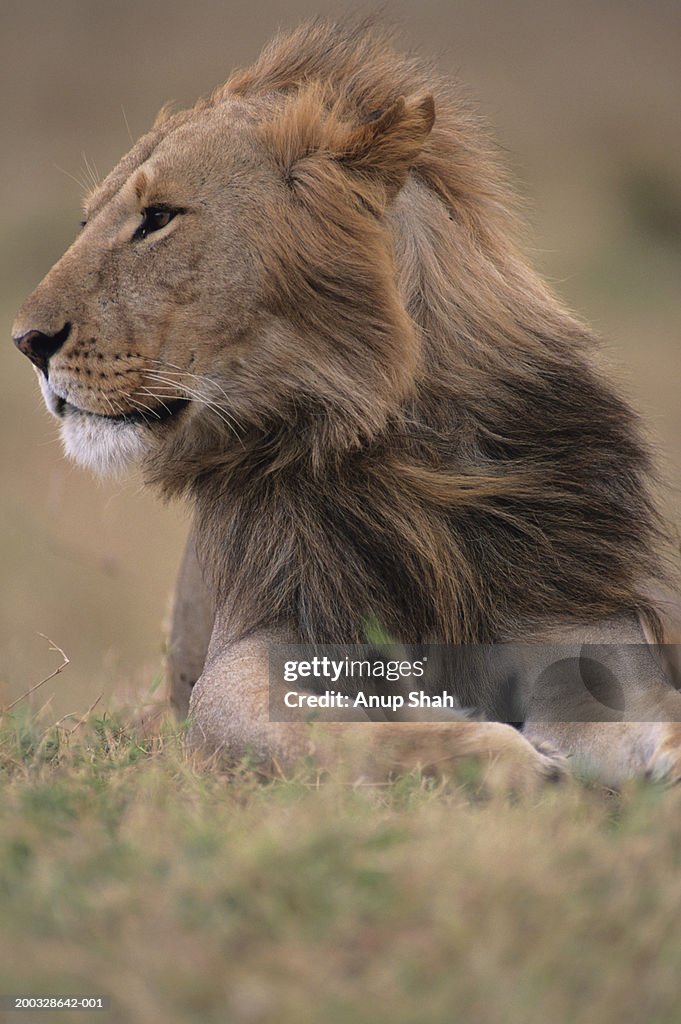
(379, 412)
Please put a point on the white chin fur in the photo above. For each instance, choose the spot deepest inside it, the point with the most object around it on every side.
(108, 449)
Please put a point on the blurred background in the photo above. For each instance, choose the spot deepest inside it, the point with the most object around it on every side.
(584, 101)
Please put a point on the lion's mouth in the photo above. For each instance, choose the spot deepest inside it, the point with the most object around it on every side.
(148, 417)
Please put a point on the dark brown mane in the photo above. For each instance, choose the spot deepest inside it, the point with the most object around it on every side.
(452, 465)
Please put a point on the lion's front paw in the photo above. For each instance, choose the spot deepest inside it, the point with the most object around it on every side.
(665, 763)
(551, 765)
(524, 766)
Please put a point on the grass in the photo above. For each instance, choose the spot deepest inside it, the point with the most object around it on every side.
(127, 870)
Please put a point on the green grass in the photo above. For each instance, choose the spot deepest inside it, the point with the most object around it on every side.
(186, 895)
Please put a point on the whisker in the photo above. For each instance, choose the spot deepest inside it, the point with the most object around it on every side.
(196, 396)
(206, 401)
(202, 400)
(110, 403)
(82, 185)
(125, 118)
(188, 373)
(92, 176)
(143, 407)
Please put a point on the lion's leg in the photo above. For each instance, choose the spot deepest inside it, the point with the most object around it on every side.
(643, 739)
(229, 715)
(191, 625)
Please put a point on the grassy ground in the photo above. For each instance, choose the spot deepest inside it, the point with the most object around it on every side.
(126, 871)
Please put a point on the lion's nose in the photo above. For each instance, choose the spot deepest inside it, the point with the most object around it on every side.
(39, 347)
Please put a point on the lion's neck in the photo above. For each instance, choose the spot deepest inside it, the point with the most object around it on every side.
(429, 533)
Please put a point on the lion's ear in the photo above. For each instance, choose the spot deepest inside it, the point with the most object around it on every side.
(389, 141)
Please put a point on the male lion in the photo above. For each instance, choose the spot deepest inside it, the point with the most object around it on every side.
(299, 303)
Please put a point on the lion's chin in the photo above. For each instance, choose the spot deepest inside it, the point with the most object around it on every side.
(106, 448)
(108, 445)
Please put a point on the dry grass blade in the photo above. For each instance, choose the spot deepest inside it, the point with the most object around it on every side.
(36, 686)
(85, 717)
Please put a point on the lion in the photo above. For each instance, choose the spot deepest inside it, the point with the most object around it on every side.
(300, 305)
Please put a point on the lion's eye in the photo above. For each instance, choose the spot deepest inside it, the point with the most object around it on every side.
(153, 219)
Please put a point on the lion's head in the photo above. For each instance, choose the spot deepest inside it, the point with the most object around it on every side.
(235, 266)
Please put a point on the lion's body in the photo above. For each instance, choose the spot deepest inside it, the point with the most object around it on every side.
(328, 339)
